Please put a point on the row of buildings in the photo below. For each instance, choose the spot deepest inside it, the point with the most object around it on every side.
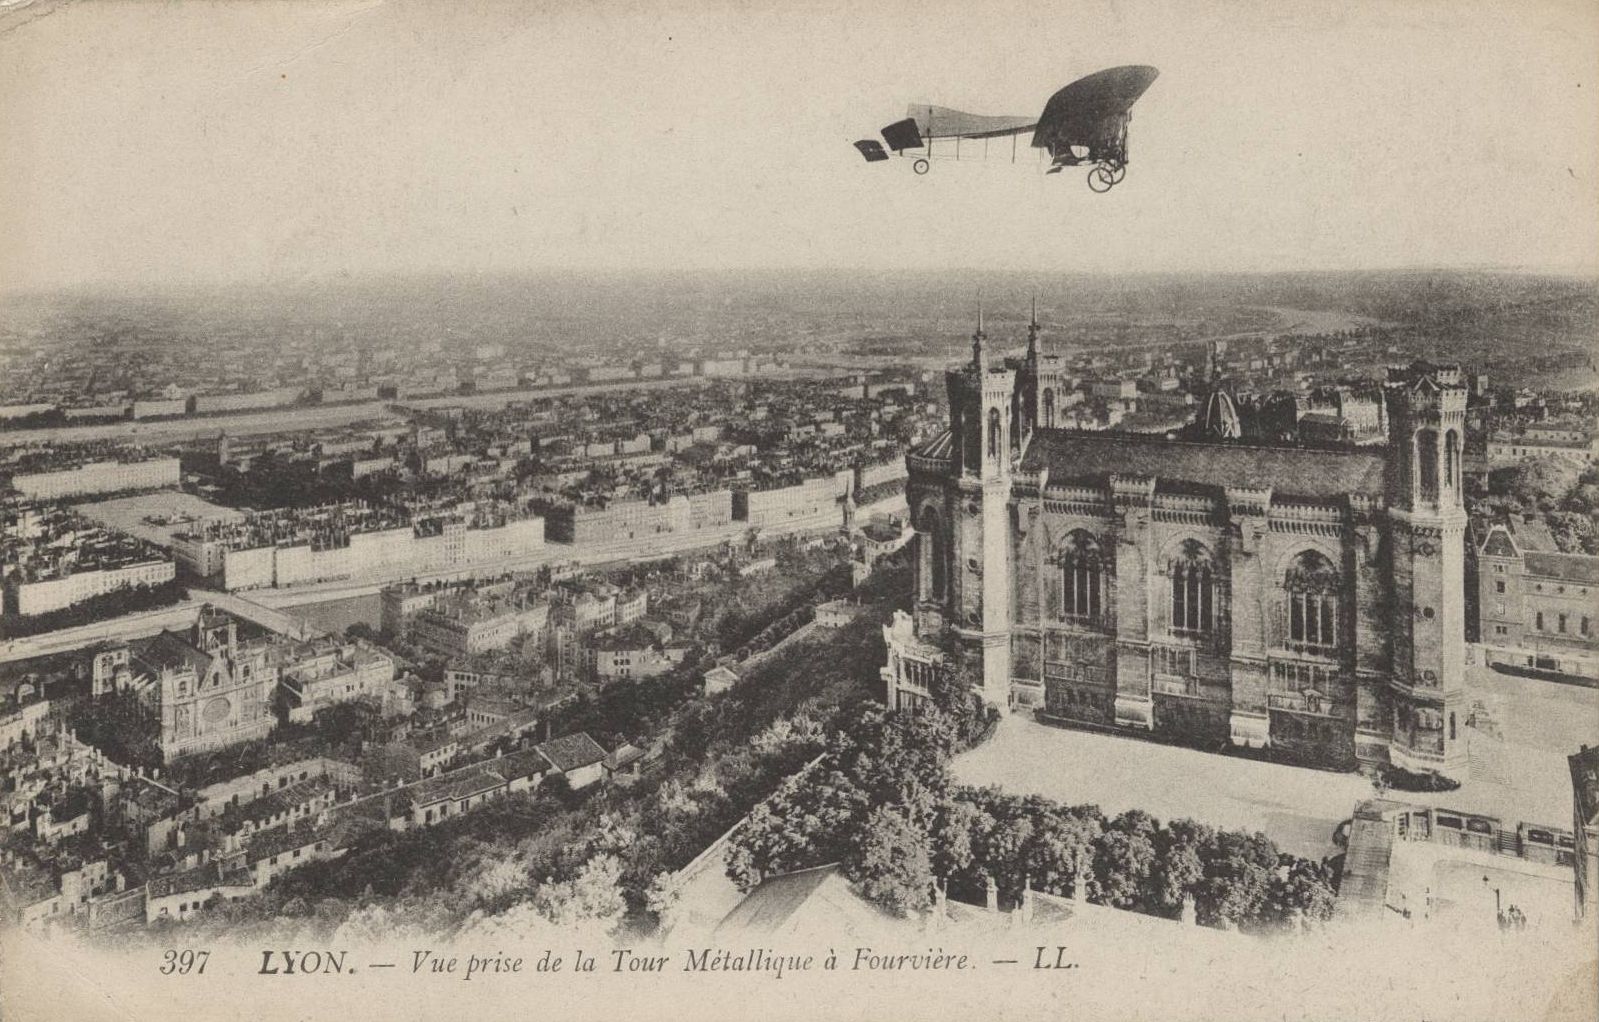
(124, 473)
(351, 540)
(52, 558)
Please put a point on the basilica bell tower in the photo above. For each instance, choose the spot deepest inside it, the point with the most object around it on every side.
(1426, 410)
(978, 608)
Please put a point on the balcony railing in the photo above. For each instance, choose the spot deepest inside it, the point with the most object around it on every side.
(1171, 685)
(1090, 622)
(1316, 706)
(1062, 670)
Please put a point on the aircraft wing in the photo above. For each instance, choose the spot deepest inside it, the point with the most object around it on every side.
(943, 122)
(1077, 110)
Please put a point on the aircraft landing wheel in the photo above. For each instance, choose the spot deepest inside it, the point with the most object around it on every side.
(1117, 172)
(1100, 180)
(921, 166)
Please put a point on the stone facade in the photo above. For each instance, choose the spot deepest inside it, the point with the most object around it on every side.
(1536, 607)
(213, 692)
(1310, 600)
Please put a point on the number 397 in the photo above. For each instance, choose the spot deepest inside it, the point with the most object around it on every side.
(181, 963)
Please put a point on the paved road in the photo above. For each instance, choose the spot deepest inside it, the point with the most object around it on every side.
(133, 626)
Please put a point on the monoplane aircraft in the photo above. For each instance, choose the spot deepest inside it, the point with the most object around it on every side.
(1084, 123)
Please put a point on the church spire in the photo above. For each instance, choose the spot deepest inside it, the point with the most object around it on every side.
(1032, 334)
(979, 357)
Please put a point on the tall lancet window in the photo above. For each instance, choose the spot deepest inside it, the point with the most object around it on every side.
(930, 543)
(1312, 585)
(1427, 464)
(1193, 591)
(1082, 578)
(994, 431)
(1049, 407)
(1452, 459)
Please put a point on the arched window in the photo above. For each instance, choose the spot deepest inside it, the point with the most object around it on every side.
(1082, 578)
(1452, 459)
(994, 445)
(930, 543)
(1312, 584)
(1193, 591)
(1049, 407)
(1427, 464)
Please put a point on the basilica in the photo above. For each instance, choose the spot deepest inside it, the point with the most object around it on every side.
(1203, 587)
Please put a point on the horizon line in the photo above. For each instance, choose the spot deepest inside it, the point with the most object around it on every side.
(1569, 271)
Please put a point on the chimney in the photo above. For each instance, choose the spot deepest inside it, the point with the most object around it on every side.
(1188, 917)
(992, 900)
(1027, 900)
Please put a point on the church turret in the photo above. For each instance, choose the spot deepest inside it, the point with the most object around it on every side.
(1041, 387)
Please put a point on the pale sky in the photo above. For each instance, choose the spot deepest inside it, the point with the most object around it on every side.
(148, 142)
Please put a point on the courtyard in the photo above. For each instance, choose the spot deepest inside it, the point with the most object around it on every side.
(1518, 769)
(140, 515)
(1297, 807)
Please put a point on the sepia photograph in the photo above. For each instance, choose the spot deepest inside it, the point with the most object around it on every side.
(728, 509)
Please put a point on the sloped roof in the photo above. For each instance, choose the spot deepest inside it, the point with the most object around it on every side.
(1091, 457)
(773, 904)
(625, 754)
(572, 752)
(170, 650)
(1534, 535)
(1570, 567)
(1368, 859)
(200, 878)
(1499, 543)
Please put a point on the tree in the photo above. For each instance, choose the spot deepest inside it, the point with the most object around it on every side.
(1124, 861)
(1545, 481)
(557, 788)
(956, 824)
(1002, 848)
(1060, 852)
(1574, 533)
(891, 864)
(594, 895)
(809, 821)
(1301, 888)
(1238, 873)
(662, 895)
(1178, 868)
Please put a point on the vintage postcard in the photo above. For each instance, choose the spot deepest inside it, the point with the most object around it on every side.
(684, 509)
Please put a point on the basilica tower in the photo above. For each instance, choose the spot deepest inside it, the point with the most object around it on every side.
(1426, 411)
(977, 611)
